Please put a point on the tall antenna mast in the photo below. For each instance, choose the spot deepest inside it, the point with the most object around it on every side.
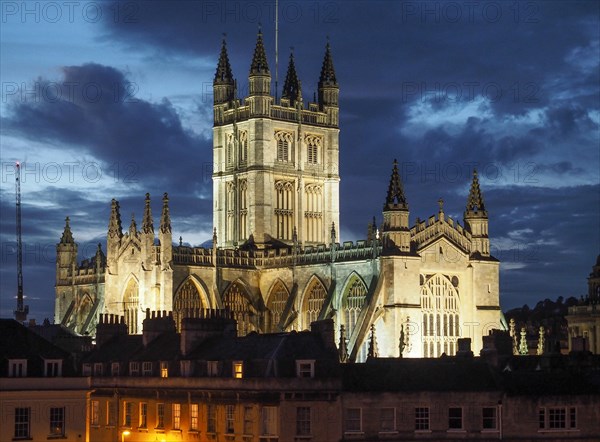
(276, 49)
(21, 311)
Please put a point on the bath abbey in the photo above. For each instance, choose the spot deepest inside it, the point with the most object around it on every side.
(275, 263)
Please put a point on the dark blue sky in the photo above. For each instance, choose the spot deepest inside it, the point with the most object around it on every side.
(104, 100)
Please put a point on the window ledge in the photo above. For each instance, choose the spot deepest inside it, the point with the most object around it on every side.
(456, 430)
(558, 430)
(490, 430)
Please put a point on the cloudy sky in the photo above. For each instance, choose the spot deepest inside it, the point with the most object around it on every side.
(103, 100)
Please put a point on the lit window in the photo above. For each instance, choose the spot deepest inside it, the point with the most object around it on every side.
(143, 415)
(353, 420)
(147, 369)
(52, 367)
(95, 413)
(421, 418)
(176, 416)
(268, 421)
(229, 418)
(387, 419)
(194, 417)
(164, 369)
(238, 369)
(127, 412)
(303, 421)
(17, 368)
(160, 415)
(248, 420)
(110, 414)
(114, 369)
(455, 418)
(134, 368)
(22, 422)
(57, 421)
(489, 421)
(212, 368)
(211, 419)
(305, 369)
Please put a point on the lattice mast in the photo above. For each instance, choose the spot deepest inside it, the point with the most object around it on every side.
(21, 311)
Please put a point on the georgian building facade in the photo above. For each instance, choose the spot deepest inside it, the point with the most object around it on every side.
(275, 260)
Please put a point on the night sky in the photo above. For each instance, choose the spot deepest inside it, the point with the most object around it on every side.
(103, 100)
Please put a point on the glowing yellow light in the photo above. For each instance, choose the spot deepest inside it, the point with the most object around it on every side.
(126, 433)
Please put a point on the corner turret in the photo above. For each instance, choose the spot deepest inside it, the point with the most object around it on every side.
(395, 229)
(329, 91)
(476, 219)
(291, 87)
(259, 81)
(66, 253)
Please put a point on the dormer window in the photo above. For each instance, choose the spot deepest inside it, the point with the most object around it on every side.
(87, 369)
(185, 367)
(164, 369)
(98, 369)
(17, 368)
(305, 368)
(212, 368)
(114, 369)
(147, 369)
(52, 367)
(238, 369)
(134, 369)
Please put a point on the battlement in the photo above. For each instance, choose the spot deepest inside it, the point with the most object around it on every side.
(281, 257)
(435, 227)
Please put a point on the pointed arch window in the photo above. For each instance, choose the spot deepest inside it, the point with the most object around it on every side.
(313, 302)
(275, 306)
(243, 185)
(131, 305)
(313, 148)
(284, 209)
(186, 299)
(229, 148)
(440, 304)
(243, 147)
(230, 203)
(284, 146)
(243, 312)
(313, 215)
(352, 304)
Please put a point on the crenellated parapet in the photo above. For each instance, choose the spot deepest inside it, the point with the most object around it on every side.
(425, 232)
(274, 258)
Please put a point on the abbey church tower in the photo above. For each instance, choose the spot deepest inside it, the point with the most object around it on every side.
(276, 177)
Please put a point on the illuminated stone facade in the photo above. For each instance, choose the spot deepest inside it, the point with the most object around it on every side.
(276, 262)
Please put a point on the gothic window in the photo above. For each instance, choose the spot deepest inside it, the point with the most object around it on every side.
(131, 305)
(440, 308)
(237, 302)
(187, 298)
(313, 145)
(229, 147)
(243, 147)
(243, 184)
(313, 302)
(284, 144)
(352, 304)
(284, 209)
(230, 202)
(275, 306)
(313, 215)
